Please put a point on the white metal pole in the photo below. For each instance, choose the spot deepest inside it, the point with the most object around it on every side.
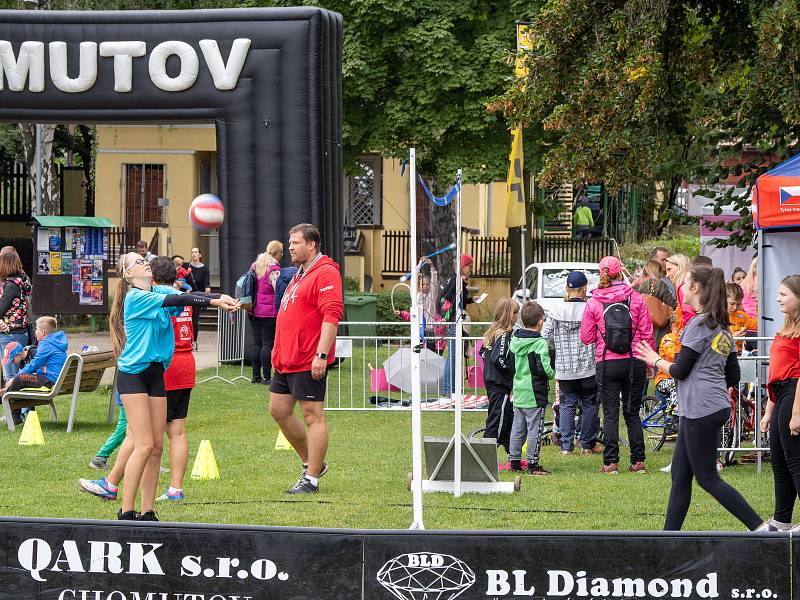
(38, 209)
(458, 375)
(416, 387)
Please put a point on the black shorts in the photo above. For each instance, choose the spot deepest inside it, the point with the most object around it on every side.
(150, 381)
(300, 385)
(178, 403)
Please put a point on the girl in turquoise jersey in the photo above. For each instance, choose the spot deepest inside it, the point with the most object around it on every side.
(141, 333)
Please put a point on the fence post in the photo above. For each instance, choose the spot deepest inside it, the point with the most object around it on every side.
(230, 343)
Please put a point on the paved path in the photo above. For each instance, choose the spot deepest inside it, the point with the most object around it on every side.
(205, 357)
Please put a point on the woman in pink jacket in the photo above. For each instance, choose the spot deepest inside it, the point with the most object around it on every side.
(616, 320)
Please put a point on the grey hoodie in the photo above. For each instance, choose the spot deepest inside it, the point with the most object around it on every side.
(574, 360)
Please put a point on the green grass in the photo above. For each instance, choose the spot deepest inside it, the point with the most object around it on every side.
(370, 455)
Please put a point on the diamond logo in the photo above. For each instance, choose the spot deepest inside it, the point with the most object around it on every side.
(426, 576)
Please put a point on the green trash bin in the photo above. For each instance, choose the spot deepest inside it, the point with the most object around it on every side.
(364, 308)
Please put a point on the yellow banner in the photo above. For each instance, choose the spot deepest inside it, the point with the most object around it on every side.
(524, 42)
(515, 188)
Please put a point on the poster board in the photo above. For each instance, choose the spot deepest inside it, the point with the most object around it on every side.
(70, 274)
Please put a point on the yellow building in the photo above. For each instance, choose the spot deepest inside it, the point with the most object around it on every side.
(147, 176)
(139, 165)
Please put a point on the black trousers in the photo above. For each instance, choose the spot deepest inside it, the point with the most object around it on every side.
(26, 380)
(695, 457)
(263, 340)
(784, 451)
(499, 417)
(619, 382)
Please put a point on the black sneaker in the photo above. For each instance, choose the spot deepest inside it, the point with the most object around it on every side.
(321, 473)
(130, 515)
(148, 515)
(515, 466)
(303, 486)
(256, 380)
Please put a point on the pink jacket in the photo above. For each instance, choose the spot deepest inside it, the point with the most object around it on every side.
(593, 326)
(750, 304)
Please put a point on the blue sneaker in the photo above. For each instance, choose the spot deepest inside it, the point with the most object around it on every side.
(99, 487)
(177, 495)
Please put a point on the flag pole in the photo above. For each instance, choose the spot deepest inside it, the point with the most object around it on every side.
(458, 375)
(416, 386)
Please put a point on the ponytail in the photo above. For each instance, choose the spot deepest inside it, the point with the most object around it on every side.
(713, 295)
(116, 317)
(605, 279)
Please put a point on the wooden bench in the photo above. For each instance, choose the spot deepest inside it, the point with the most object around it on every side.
(81, 373)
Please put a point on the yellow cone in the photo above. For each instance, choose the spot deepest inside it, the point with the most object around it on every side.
(205, 465)
(282, 443)
(32, 431)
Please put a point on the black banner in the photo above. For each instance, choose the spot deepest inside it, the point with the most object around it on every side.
(86, 560)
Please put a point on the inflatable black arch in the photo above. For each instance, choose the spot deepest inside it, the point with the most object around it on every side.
(270, 79)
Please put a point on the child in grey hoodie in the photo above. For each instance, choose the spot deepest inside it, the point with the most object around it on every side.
(575, 368)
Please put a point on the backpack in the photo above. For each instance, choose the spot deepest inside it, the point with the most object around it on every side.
(619, 327)
(247, 289)
(283, 281)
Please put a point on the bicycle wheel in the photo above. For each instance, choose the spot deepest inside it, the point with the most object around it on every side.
(653, 423)
(731, 438)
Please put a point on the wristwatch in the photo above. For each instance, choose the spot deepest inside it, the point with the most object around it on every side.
(322, 355)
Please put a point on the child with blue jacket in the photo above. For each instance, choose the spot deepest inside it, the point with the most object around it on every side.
(44, 368)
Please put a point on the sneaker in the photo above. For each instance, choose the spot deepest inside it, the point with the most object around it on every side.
(515, 466)
(163, 469)
(149, 515)
(178, 495)
(720, 466)
(592, 450)
(99, 462)
(667, 469)
(637, 467)
(612, 469)
(537, 470)
(256, 380)
(98, 487)
(566, 452)
(303, 486)
(321, 473)
(779, 526)
(130, 515)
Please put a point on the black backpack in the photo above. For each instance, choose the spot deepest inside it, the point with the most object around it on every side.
(619, 327)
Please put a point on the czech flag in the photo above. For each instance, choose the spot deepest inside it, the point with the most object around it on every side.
(776, 197)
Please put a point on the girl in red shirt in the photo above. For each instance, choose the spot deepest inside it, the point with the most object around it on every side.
(782, 414)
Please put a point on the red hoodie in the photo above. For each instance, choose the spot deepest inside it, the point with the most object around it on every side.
(312, 298)
(593, 327)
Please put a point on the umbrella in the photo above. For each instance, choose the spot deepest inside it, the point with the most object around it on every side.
(431, 372)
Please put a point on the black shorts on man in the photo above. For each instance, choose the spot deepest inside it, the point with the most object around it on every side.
(301, 386)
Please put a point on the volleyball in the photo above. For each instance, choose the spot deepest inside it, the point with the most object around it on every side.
(206, 212)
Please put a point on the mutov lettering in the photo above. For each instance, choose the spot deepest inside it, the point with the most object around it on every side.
(29, 65)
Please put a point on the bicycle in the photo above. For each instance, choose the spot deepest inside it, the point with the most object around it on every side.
(659, 421)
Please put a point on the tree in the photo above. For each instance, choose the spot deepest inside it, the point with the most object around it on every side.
(651, 92)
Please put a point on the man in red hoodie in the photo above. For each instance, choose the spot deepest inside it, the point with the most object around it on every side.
(305, 341)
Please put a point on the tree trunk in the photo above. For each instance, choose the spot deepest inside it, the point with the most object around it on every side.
(51, 203)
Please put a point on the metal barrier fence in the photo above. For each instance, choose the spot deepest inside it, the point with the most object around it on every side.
(358, 380)
(230, 343)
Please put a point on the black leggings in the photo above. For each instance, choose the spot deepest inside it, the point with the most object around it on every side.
(784, 451)
(263, 340)
(696, 457)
